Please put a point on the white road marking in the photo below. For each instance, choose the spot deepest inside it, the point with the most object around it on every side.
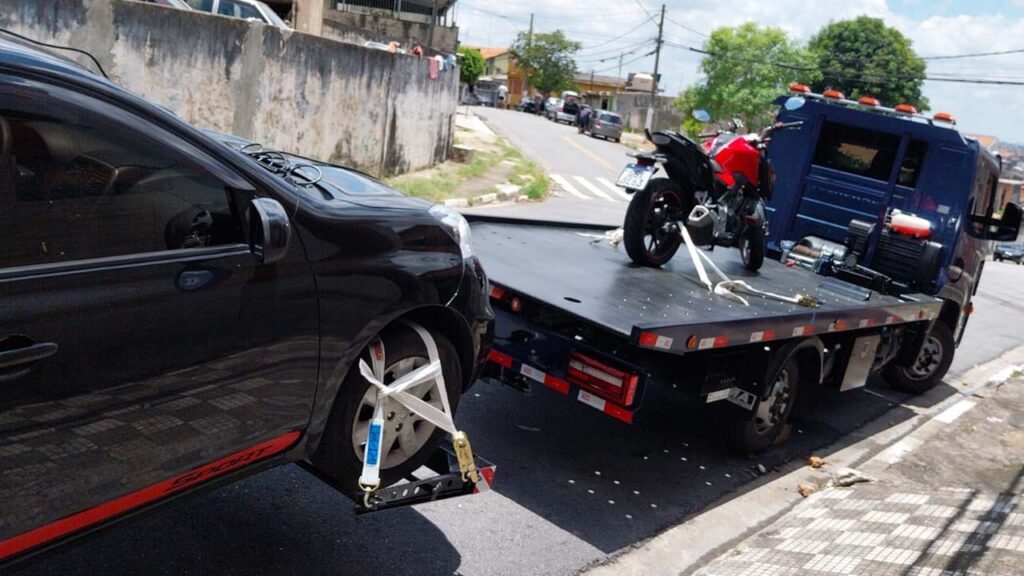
(564, 185)
(593, 189)
(615, 189)
(955, 411)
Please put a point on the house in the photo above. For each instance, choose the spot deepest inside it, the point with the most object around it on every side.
(500, 68)
(429, 23)
(599, 91)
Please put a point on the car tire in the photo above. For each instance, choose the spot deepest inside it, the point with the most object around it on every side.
(758, 429)
(930, 365)
(752, 248)
(337, 456)
(660, 194)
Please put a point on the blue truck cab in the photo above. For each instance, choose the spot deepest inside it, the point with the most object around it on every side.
(856, 161)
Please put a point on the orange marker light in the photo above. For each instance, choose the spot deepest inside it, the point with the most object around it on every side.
(869, 101)
(833, 94)
(906, 109)
(944, 117)
(798, 87)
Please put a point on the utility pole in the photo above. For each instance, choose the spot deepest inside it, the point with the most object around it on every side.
(526, 70)
(592, 85)
(649, 124)
(618, 76)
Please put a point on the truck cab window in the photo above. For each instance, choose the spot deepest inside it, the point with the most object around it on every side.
(856, 150)
(913, 159)
(74, 185)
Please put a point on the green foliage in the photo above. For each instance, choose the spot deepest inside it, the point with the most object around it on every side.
(471, 64)
(863, 56)
(740, 80)
(549, 60)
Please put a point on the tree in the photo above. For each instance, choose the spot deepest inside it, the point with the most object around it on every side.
(548, 59)
(471, 64)
(744, 70)
(864, 57)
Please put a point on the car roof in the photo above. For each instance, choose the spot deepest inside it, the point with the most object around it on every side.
(17, 53)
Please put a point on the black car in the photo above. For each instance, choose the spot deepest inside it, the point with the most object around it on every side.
(181, 309)
(1011, 252)
(527, 105)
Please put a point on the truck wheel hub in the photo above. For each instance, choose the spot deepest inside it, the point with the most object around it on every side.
(928, 359)
(772, 409)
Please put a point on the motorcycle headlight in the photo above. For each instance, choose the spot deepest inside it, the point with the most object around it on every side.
(456, 225)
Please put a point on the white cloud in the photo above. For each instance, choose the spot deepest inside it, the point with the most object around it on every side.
(987, 109)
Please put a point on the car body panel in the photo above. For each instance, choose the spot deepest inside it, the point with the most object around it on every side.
(603, 124)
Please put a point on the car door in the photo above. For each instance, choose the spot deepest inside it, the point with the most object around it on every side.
(139, 338)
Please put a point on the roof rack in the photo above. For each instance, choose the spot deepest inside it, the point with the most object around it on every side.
(906, 111)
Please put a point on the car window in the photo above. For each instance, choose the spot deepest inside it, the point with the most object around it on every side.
(610, 118)
(913, 159)
(856, 150)
(76, 184)
(238, 10)
(206, 5)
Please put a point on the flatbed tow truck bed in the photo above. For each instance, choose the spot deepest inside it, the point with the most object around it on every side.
(558, 289)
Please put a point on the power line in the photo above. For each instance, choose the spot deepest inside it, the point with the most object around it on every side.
(630, 31)
(637, 59)
(846, 76)
(974, 55)
(607, 51)
(687, 28)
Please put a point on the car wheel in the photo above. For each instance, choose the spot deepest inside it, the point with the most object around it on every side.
(929, 367)
(409, 440)
(756, 430)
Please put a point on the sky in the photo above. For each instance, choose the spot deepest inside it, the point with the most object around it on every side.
(936, 27)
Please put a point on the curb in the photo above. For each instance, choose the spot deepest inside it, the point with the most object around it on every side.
(689, 546)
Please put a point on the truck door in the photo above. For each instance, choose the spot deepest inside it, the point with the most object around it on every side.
(850, 177)
(139, 338)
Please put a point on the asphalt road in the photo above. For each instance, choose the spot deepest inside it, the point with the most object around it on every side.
(572, 487)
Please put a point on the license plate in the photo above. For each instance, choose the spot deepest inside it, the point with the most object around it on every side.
(635, 176)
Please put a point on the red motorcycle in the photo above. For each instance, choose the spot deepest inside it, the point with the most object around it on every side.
(729, 177)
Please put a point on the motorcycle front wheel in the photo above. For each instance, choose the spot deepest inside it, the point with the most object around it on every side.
(751, 245)
(651, 231)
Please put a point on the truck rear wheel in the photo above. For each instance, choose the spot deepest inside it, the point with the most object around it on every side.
(408, 438)
(650, 233)
(756, 430)
(930, 366)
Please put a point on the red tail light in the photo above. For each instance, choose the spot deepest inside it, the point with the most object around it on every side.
(616, 385)
(645, 161)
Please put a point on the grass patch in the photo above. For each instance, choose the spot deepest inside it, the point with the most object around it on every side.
(445, 181)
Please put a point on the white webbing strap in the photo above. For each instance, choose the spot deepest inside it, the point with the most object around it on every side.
(432, 372)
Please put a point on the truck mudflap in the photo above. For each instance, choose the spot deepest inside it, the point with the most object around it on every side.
(439, 479)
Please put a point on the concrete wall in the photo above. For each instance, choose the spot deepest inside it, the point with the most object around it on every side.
(318, 97)
(633, 109)
(358, 28)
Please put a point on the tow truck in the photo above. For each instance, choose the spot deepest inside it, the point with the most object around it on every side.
(575, 315)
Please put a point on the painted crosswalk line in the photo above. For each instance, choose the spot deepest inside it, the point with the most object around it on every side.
(593, 188)
(565, 185)
(615, 189)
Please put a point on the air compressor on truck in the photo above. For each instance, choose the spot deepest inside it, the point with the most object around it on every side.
(879, 227)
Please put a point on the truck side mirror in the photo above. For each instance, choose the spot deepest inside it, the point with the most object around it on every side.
(1007, 228)
(270, 231)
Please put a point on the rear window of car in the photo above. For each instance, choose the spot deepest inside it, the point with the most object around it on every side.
(609, 118)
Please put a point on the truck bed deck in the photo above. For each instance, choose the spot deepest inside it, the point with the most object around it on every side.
(562, 266)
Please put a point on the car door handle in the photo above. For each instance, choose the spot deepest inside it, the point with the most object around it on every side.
(15, 363)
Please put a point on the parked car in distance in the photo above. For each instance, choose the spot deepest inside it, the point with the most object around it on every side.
(566, 111)
(527, 105)
(179, 4)
(246, 9)
(549, 107)
(182, 309)
(1013, 252)
(607, 125)
(478, 99)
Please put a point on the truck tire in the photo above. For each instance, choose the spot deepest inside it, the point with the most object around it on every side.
(340, 453)
(756, 430)
(930, 366)
(751, 247)
(647, 240)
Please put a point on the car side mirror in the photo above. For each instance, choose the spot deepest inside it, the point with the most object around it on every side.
(701, 115)
(1004, 229)
(270, 230)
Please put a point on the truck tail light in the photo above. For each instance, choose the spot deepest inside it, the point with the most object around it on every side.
(645, 160)
(593, 376)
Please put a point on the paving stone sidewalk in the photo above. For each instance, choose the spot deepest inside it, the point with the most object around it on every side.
(952, 506)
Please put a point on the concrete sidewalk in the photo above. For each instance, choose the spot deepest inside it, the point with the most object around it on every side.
(946, 500)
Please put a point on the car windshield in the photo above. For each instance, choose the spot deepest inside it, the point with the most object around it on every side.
(610, 118)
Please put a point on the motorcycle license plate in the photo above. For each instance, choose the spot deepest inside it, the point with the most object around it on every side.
(635, 176)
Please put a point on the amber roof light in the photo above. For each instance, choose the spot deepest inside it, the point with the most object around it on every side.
(833, 94)
(798, 87)
(945, 117)
(906, 109)
(869, 101)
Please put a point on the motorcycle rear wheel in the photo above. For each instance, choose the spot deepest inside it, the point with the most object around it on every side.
(651, 233)
(751, 245)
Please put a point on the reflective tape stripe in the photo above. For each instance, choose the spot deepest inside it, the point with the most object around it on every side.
(500, 359)
(762, 336)
(803, 330)
(605, 406)
(712, 342)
